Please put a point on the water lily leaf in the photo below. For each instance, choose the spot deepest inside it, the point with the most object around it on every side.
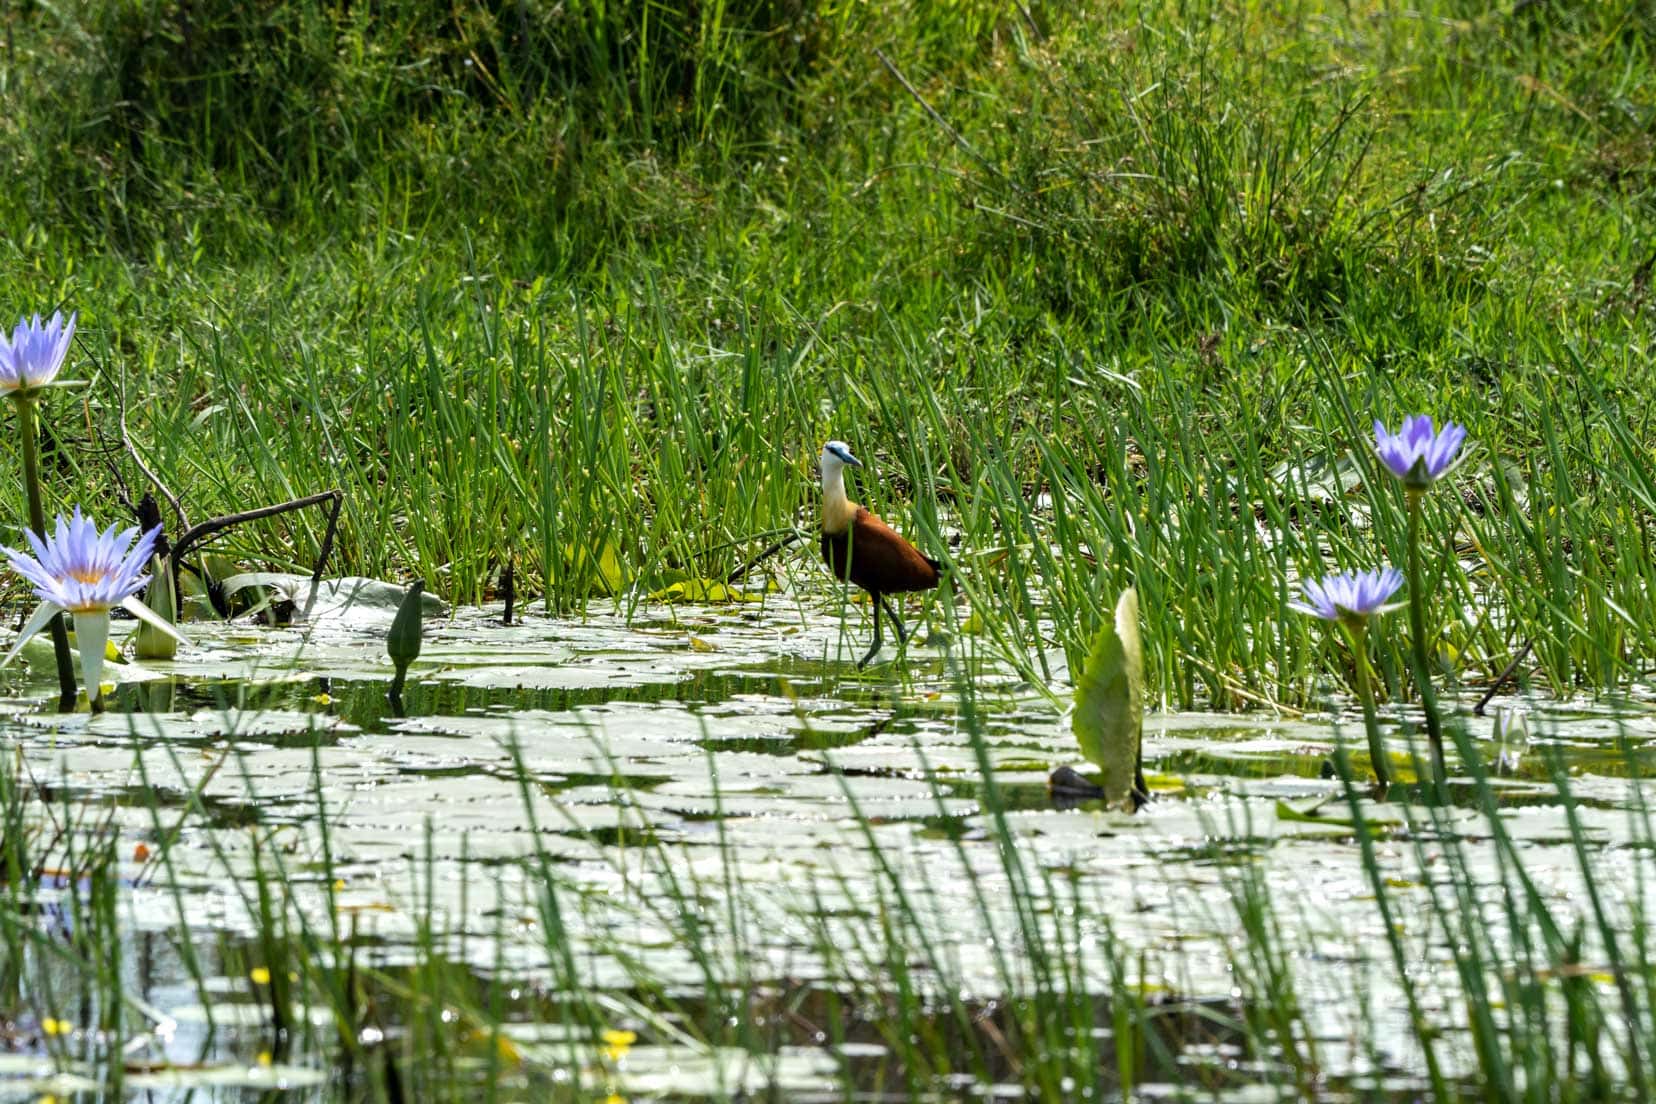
(569, 676)
(353, 601)
(1310, 811)
(37, 651)
(213, 724)
(1109, 701)
(27, 1078)
(598, 564)
(701, 590)
(1307, 810)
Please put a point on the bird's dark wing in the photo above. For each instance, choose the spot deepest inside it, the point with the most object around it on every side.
(883, 562)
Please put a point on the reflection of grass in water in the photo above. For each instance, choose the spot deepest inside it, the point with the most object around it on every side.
(1269, 765)
(1547, 986)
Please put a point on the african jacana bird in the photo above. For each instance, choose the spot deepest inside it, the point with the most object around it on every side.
(860, 548)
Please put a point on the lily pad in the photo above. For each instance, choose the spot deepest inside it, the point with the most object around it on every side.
(350, 601)
(702, 591)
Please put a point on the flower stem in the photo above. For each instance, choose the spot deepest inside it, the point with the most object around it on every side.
(37, 521)
(1357, 636)
(1417, 629)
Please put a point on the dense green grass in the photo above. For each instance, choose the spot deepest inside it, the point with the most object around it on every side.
(1107, 297)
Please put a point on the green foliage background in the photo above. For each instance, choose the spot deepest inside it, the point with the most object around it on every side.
(1115, 286)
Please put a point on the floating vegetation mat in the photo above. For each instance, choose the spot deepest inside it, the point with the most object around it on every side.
(699, 855)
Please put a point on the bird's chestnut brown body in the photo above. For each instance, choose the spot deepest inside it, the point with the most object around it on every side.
(872, 554)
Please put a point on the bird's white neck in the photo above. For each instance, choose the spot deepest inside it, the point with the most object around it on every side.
(837, 507)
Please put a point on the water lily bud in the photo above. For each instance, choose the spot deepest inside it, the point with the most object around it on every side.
(403, 642)
(153, 643)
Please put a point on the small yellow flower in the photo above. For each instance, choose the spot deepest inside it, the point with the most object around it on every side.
(264, 1059)
(260, 975)
(617, 1043)
(53, 1027)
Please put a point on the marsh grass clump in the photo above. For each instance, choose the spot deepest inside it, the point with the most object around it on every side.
(236, 122)
(1110, 282)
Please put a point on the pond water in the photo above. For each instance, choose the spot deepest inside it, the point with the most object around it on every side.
(729, 814)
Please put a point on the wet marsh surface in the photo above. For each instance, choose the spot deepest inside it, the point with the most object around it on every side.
(772, 874)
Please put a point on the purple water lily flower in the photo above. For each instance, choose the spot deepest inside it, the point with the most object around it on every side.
(85, 573)
(1417, 453)
(1349, 595)
(34, 353)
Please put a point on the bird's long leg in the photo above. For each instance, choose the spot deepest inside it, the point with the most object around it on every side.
(872, 652)
(1141, 793)
(896, 619)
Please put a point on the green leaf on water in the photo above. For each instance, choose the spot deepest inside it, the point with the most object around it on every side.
(1310, 811)
(598, 565)
(1109, 701)
(701, 590)
(37, 651)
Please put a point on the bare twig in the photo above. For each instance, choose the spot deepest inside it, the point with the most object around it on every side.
(210, 528)
(322, 553)
(200, 533)
(508, 591)
(1501, 679)
(328, 535)
(741, 572)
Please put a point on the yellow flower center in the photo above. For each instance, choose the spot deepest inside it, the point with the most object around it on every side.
(88, 576)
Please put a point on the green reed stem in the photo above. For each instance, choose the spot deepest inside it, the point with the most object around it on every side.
(27, 426)
(1356, 632)
(1365, 832)
(1417, 630)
